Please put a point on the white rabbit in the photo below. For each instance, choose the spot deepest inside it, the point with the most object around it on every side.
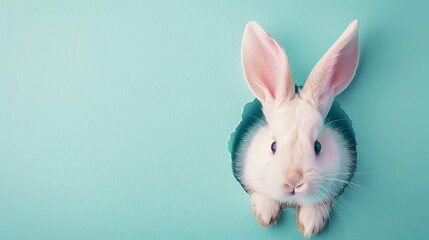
(293, 156)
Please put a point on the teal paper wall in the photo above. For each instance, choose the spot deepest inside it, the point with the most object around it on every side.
(115, 116)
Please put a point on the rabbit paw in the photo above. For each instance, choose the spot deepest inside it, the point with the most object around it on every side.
(311, 219)
(266, 209)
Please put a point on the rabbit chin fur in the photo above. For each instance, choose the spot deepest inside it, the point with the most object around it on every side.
(295, 126)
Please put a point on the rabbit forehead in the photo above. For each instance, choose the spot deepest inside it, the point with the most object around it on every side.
(295, 119)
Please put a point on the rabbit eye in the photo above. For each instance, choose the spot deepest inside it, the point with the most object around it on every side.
(317, 147)
(274, 147)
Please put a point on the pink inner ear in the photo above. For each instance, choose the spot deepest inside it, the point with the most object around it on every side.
(264, 62)
(344, 66)
(267, 63)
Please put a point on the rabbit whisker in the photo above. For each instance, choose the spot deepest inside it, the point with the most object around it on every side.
(346, 182)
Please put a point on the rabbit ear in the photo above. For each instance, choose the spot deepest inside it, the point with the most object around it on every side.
(265, 65)
(334, 71)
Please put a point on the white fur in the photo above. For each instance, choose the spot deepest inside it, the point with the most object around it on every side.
(295, 174)
(265, 208)
(313, 217)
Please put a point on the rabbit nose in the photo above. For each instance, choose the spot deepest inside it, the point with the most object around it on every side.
(293, 181)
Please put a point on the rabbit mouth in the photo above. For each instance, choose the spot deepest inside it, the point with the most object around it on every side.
(302, 194)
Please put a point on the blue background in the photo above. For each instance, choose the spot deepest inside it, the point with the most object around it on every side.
(115, 116)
